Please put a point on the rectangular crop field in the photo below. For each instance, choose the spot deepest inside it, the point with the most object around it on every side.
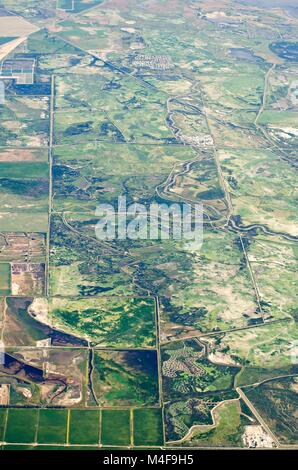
(52, 426)
(115, 427)
(21, 425)
(4, 278)
(148, 427)
(84, 427)
(3, 418)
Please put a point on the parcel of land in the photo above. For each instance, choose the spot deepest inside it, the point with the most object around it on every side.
(152, 343)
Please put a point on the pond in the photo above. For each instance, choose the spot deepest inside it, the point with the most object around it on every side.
(286, 50)
(244, 53)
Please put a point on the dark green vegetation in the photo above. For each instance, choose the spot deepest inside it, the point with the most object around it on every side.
(4, 278)
(80, 427)
(84, 427)
(115, 429)
(148, 427)
(125, 378)
(52, 426)
(193, 386)
(180, 416)
(186, 372)
(108, 321)
(277, 400)
(3, 420)
(21, 425)
(226, 431)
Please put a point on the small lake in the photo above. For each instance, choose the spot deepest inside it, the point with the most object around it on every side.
(285, 50)
(243, 53)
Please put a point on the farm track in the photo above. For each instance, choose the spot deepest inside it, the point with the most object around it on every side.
(90, 374)
(50, 160)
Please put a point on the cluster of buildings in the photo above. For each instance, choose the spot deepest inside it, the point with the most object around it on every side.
(153, 62)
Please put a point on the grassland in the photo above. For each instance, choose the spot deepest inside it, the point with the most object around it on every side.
(262, 188)
(125, 378)
(225, 433)
(112, 160)
(23, 192)
(273, 260)
(218, 293)
(3, 418)
(11, 221)
(181, 415)
(107, 321)
(263, 352)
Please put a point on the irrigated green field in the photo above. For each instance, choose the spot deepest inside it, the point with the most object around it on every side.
(115, 430)
(148, 427)
(84, 427)
(21, 425)
(80, 428)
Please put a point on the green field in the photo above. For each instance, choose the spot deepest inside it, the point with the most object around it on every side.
(148, 427)
(21, 425)
(52, 426)
(4, 278)
(24, 170)
(125, 378)
(79, 428)
(3, 420)
(84, 427)
(115, 427)
(28, 221)
(226, 432)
